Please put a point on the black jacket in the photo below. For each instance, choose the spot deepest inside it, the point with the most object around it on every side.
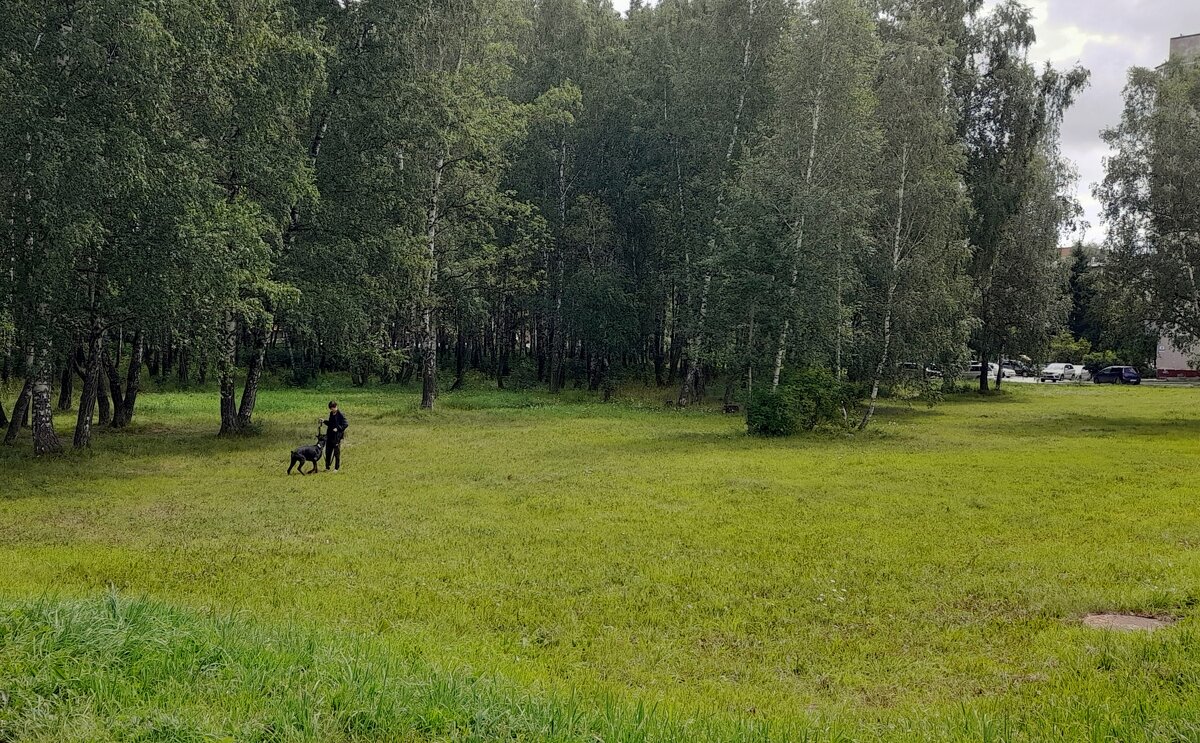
(336, 426)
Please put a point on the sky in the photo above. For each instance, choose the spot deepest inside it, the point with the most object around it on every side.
(1107, 37)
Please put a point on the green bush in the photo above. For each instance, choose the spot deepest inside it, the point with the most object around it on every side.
(804, 400)
(1097, 360)
(772, 413)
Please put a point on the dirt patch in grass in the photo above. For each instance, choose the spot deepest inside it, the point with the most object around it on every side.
(1125, 622)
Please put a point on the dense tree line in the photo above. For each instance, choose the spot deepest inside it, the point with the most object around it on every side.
(704, 194)
(1148, 277)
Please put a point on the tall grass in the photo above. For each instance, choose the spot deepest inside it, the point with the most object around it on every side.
(111, 669)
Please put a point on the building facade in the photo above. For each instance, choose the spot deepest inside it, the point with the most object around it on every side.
(1171, 362)
(1185, 47)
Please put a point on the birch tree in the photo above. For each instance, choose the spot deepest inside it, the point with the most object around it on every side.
(1151, 205)
(1012, 117)
(741, 35)
(459, 152)
(815, 167)
(914, 293)
(264, 76)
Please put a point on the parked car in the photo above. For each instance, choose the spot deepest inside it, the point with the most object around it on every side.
(913, 369)
(1117, 375)
(1018, 368)
(1061, 372)
(974, 367)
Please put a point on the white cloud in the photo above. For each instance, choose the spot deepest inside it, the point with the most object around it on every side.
(1107, 37)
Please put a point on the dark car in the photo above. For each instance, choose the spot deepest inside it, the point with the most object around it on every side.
(1117, 375)
(913, 369)
(1018, 368)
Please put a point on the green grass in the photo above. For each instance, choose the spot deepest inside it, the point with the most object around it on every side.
(516, 566)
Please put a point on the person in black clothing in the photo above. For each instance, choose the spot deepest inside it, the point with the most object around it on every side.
(335, 429)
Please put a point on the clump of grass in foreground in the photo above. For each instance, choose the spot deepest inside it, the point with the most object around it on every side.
(110, 670)
(115, 670)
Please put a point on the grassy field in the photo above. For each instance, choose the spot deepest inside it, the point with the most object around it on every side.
(516, 566)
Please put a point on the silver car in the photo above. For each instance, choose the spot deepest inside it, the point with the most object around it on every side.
(973, 369)
(1061, 372)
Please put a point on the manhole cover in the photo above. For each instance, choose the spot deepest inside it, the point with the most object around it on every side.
(1124, 622)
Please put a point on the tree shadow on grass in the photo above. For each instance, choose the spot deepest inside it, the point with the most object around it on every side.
(126, 453)
(1090, 425)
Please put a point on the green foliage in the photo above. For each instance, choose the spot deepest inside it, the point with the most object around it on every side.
(376, 358)
(773, 413)
(821, 397)
(1017, 183)
(1066, 348)
(1153, 246)
(805, 399)
(1094, 361)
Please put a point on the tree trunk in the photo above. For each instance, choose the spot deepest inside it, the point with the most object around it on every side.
(883, 357)
(727, 398)
(229, 418)
(557, 361)
(114, 380)
(674, 352)
(460, 360)
(245, 412)
(3, 417)
(66, 387)
(893, 285)
(689, 391)
(103, 407)
(428, 324)
(133, 382)
(660, 379)
(502, 369)
(983, 370)
(21, 408)
(606, 383)
(428, 359)
(808, 179)
(781, 350)
(91, 386)
(555, 335)
(45, 440)
(184, 370)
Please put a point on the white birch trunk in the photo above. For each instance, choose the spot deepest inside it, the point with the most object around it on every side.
(695, 342)
(428, 324)
(893, 285)
(781, 352)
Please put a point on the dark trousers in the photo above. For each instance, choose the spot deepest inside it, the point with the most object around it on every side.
(334, 451)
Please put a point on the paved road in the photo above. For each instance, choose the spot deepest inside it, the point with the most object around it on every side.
(1024, 380)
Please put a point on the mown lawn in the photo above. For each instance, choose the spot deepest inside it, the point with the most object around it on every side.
(580, 560)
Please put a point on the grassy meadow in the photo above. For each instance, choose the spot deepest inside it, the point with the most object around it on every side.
(522, 567)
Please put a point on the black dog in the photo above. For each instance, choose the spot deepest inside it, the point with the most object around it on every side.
(307, 454)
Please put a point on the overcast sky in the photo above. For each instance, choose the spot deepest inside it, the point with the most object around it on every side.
(1107, 37)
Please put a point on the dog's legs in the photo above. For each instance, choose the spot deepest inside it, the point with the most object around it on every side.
(293, 464)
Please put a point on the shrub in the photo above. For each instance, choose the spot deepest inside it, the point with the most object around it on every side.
(772, 413)
(805, 399)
